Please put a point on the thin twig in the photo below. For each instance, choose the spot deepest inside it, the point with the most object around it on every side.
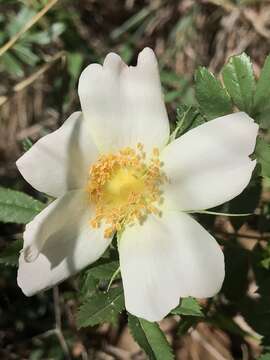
(118, 353)
(58, 323)
(240, 235)
(226, 4)
(29, 80)
(27, 26)
(44, 334)
(208, 347)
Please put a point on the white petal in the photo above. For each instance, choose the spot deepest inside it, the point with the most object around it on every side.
(165, 259)
(210, 164)
(58, 243)
(59, 162)
(124, 105)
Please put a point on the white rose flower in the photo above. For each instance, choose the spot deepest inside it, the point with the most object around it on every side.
(112, 170)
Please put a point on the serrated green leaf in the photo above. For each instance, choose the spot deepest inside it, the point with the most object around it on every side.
(88, 285)
(188, 117)
(18, 207)
(150, 338)
(239, 81)
(101, 307)
(188, 306)
(262, 152)
(262, 95)
(210, 94)
(10, 255)
(104, 270)
(139, 335)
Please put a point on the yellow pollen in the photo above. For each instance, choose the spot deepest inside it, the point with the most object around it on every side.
(155, 152)
(125, 188)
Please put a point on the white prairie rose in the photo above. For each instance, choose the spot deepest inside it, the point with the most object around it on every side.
(111, 169)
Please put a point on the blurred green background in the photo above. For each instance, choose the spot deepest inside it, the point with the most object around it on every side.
(51, 42)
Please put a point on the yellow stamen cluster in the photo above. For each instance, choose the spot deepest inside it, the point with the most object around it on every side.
(125, 188)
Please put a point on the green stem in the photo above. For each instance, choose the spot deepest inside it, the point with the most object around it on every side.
(217, 213)
(178, 127)
(113, 277)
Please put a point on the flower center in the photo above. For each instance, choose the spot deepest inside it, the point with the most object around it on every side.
(125, 188)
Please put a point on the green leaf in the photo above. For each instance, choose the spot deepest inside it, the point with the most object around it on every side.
(25, 54)
(265, 263)
(12, 65)
(26, 144)
(101, 307)
(150, 338)
(56, 30)
(88, 285)
(188, 117)
(172, 95)
(74, 65)
(169, 78)
(262, 95)
(239, 80)
(185, 324)
(40, 38)
(18, 207)
(264, 357)
(210, 94)
(104, 270)
(260, 253)
(17, 22)
(188, 306)
(10, 255)
(262, 152)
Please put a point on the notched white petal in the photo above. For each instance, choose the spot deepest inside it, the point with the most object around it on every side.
(124, 104)
(113, 62)
(147, 58)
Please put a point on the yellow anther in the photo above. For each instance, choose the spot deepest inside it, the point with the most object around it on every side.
(124, 189)
(156, 152)
(118, 226)
(109, 232)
